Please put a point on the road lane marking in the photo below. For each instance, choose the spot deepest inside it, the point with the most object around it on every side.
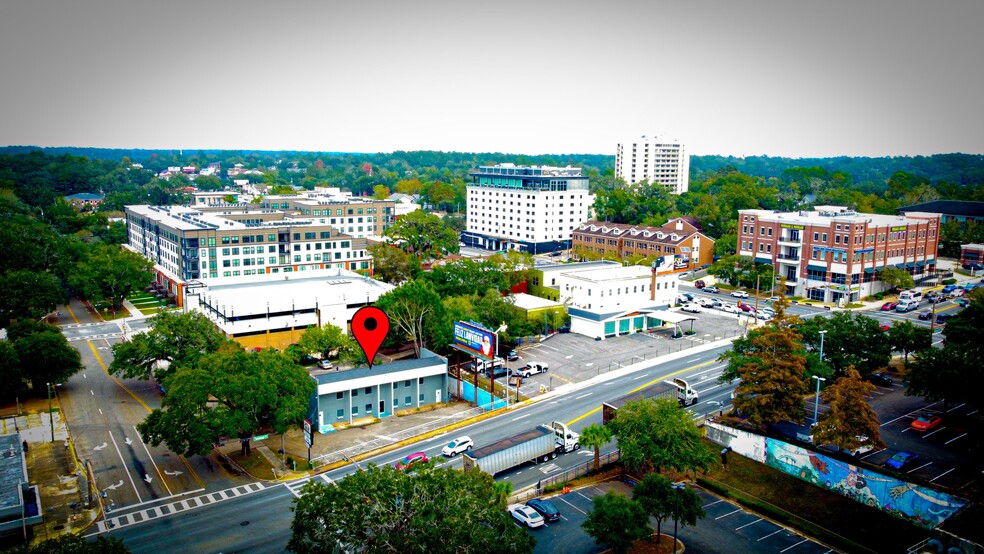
(955, 438)
(747, 524)
(152, 462)
(522, 416)
(640, 377)
(942, 474)
(907, 415)
(583, 396)
(125, 466)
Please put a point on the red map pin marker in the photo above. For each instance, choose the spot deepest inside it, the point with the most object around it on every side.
(370, 325)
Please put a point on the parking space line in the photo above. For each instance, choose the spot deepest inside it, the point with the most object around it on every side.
(972, 413)
(907, 415)
(942, 474)
(747, 524)
(920, 467)
(705, 506)
(727, 514)
(934, 432)
(794, 546)
(770, 534)
(571, 505)
(955, 438)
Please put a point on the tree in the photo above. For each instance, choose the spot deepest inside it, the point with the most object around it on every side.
(658, 433)
(230, 392)
(851, 340)
(71, 543)
(850, 415)
(10, 372)
(461, 277)
(905, 337)
(595, 436)
(325, 340)
(655, 494)
(772, 372)
(43, 353)
(617, 521)
(110, 273)
(897, 278)
(29, 294)
(383, 509)
(409, 306)
(174, 337)
(423, 235)
(392, 265)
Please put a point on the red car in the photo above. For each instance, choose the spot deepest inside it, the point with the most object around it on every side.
(411, 460)
(884, 327)
(889, 306)
(925, 423)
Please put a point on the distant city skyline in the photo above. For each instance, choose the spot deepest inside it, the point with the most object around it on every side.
(876, 78)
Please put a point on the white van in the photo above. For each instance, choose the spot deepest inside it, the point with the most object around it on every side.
(911, 295)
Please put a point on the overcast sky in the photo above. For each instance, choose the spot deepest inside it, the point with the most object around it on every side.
(779, 78)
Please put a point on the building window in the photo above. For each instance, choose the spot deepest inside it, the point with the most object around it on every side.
(368, 408)
(340, 413)
(407, 400)
(339, 395)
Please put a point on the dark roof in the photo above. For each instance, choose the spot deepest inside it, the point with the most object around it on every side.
(427, 359)
(948, 207)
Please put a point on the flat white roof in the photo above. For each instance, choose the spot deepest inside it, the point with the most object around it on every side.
(530, 302)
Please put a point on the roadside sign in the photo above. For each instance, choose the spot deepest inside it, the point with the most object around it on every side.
(260, 437)
(308, 433)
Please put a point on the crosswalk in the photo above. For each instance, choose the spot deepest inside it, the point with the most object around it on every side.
(147, 514)
(295, 486)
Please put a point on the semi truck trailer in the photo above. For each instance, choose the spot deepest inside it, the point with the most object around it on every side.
(538, 444)
(677, 388)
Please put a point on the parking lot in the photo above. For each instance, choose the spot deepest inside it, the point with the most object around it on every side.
(726, 527)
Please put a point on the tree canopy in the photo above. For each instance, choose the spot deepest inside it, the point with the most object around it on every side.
(616, 521)
(177, 338)
(658, 433)
(43, 354)
(850, 416)
(424, 235)
(428, 509)
(851, 340)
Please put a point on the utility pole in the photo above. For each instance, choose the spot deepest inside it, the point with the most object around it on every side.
(50, 416)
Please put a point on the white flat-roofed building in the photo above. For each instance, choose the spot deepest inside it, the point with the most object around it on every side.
(659, 161)
(529, 208)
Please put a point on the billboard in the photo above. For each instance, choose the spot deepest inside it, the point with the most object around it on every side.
(474, 339)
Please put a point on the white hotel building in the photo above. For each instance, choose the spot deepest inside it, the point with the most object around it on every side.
(533, 209)
(655, 160)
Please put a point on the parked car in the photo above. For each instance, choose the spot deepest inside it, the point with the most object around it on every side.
(691, 307)
(884, 327)
(941, 319)
(545, 508)
(712, 289)
(745, 307)
(525, 515)
(925, 315)
(948, 289)
(705, 302)
(957, 292)
(531, 368)
(740, 294)
(926, 422)
(901, 460)
(411, 460)
(889, 306)
(768, 312)
(457, 446)
(715, 303)
(497, 371)
(880, 379)
(699, 283)
(962, 302)
(325, 364)
(512, 356)
(730, 308)
(774, 299)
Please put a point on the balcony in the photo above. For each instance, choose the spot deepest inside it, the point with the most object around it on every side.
(788, 256)
(791, 238)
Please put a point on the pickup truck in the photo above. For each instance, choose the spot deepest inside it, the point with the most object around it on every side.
(531, 368)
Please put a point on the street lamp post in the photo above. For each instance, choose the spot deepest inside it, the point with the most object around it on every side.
(822, 333)
(495, 354)
(816, 403)
(50, 417)
(676, 512)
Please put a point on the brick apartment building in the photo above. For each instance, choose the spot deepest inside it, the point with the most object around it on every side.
(678, 238)
(832, 253)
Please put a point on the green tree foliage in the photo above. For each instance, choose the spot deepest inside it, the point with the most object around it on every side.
(29, 294)
(907, 337)
(393, 265)
(325, 341)
(656, 495)
(71, 543)
(851, 340)
(466, 277)
(411, 308)
(658, 433)
(230, 392)
(423, 235)
(897, 278)
(43, 353)
(595, 436)
(850, 415)
(616, 521)
(10, 372)
(110, 273)
(772, 371)
(382, 509)
(179, 339)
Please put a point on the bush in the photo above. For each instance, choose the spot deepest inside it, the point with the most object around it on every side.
(949, 281)
(690, 332)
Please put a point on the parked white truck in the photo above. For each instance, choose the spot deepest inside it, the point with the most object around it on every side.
(539, 444)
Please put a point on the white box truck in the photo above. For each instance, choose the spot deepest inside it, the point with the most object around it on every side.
(538, 444)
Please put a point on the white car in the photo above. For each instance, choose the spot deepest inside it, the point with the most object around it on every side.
(731, 309)
(457, 446)
(740, 294)
(705, 302)
(525, 515)
(531, 368)
(325, 364)
(691, 307)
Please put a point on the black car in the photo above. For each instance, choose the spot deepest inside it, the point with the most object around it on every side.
(941, 318)
(925, 315)
(880, 379)
(545, 508)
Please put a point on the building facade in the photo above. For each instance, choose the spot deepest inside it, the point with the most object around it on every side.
(238, 243)
(957, 211)
(658, 161)
(678, 239)
(532, 209)
(972, 256)
(833, 254)
(351, 215)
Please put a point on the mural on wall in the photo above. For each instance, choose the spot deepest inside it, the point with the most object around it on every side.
(919, 505)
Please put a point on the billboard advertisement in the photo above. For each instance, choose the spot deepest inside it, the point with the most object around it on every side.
(474, 339)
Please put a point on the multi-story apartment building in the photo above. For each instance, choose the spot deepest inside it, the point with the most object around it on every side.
(678, 239)
(533, 209)
(241, 243)
(352, 215)
(832, 253)
(656, 160)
